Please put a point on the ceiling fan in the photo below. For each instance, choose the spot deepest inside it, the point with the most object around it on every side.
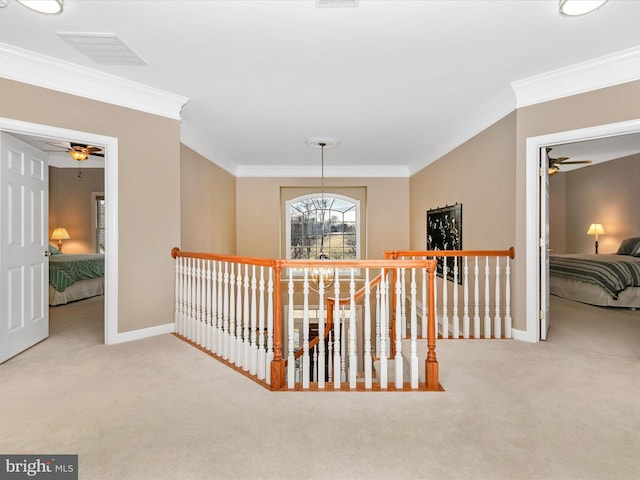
(555, 163)
(80, 151)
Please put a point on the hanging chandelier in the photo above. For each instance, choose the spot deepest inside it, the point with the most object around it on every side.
(326, 276)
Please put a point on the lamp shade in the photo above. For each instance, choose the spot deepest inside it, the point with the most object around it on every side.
(60, 233)
(595, 229)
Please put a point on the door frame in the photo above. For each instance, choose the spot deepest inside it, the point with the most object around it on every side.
(533, 192)
(110, 145)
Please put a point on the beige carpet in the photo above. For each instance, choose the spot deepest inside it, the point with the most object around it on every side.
(568, 408)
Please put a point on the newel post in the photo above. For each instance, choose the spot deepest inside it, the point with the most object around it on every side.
(278, 363)
(431, 362)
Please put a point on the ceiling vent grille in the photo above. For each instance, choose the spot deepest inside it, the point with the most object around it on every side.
(336, 3)
(102, 48)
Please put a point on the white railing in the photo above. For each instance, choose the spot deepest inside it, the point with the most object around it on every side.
(232, 307)
(473, 300)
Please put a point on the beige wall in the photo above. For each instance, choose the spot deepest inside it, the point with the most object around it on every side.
(208, 205)
(607, 193)
(258, 218)
(479, 175)
(148, 190)
(71, 206)
(600, 107)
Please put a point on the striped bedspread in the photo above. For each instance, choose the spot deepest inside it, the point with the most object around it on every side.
(66, 269)
(613, 273)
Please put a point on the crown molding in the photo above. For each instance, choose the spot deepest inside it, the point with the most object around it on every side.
(200, 146)
(606, 71)
(497, 108)
(340, 171)
(43, 71)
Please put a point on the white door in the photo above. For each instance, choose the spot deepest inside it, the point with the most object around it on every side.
(24, 268)
(545, 320)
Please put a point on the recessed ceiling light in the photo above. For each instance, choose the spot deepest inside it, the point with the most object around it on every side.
(48, 7)
(574, 8)
(102, 48)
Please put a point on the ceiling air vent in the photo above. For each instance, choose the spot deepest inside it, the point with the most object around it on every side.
(336, 3)
(102, 48)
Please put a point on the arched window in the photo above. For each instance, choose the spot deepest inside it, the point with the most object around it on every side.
(323, 226)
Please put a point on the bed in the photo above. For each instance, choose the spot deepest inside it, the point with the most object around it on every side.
(74, 276)
(608, 280)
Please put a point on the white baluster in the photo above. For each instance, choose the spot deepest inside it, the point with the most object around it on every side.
(330, 358)
(435, 304)
(225, 324)
(368, 377)
(379, 308)
(305, 331)
(423, 328)
(261, 346)
(507, 300)
(253, 360)
(336, 332)
(343, 347)
(456, 318)
(414, 333)
(246, 312)
(199, 320)
(445, 299)
(353, 347)
(321, 327)
(383, 330)
(231, 337)
(269, 356)
(209, 329)
(487, 318)
(239, 319)
(189, 328)
(291, 361)
(476, 301)
(465, 312)
(214, 307)
(497, 321)
(220, 320)
(398, 340)
(403, 304)
(315, 363)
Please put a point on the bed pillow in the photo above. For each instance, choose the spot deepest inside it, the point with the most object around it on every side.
(628, 245)
(636, 251)
(53, 250)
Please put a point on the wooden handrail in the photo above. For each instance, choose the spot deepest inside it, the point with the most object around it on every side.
(395, 254)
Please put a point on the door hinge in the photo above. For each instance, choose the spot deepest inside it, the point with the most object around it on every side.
(541, 314)
(541, 171)
(541, 242)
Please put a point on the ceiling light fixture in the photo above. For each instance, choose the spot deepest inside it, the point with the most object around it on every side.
(322, 276)
(574, 8)
(47, 7)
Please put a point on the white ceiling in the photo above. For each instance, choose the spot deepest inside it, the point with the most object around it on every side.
(397, 82)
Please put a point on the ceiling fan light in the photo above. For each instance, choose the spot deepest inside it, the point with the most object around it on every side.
(78, 155)
(574, 8)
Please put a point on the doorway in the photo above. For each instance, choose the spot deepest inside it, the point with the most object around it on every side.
(110, 145)
(537, 291)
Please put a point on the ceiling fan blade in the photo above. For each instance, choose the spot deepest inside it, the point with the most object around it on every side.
(576, 162)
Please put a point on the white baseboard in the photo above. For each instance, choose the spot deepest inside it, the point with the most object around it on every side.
(143, 333)
(523, 336)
